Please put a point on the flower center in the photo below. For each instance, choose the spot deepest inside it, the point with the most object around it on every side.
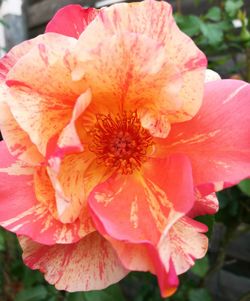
(120, 142)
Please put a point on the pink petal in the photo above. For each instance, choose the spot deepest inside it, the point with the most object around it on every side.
(145, 257)
(137, 209)
(90, 264)
(183, 243)
(71, 20)
(217, 139)
(24, 213)
(134, 257)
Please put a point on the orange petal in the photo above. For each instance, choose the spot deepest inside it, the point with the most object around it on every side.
(69, 141)
(146, 79)
(90, 264)
(42, 99)
(73, 179)
(17, 140)
(154, 20)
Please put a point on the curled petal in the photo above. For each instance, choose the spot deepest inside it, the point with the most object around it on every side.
(25, 213)
(205, 202)
(71, 20)
(158, 126)
(42, 99)
(17, 140)
(183, 243)
(73, 178)
(90, 264)
(69, 141)
(11, 58)
(145, 257)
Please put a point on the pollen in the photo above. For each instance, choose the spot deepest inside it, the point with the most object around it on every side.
(120, 142)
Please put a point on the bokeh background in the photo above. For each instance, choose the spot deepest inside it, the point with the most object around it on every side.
(221, 29)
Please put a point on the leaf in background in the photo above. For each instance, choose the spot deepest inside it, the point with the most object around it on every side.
(201, 267)
(232, 7)
(37, 293)
(2, 240)
(207, 220)
(245, 186)
(75, 297)
(200, 294)
(214, 14)
(112, 293)
(189, 24)
(213, 33)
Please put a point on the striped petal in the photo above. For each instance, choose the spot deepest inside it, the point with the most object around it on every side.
(90, 264)
(16, 139)
(27, 205)
(18, 142)
(182, 244)
(154, 20)
(205, 202)
(42, 100)
(73, 179)
(137, 209)
(146, 75)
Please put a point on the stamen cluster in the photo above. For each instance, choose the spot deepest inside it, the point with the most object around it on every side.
(120, 142)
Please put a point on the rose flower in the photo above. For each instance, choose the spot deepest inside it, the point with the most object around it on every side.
(114, 140)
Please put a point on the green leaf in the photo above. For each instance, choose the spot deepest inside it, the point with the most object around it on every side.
(2, 240)
(207, 220)
(245, 186)
(232, 7)
(37, 293)
(189, 24)
(112, 293)
(214, 14)
(201, 267)
(212, 32)
(76, 297)
(200, 294)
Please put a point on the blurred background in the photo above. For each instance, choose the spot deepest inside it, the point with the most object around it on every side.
(221, 29)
